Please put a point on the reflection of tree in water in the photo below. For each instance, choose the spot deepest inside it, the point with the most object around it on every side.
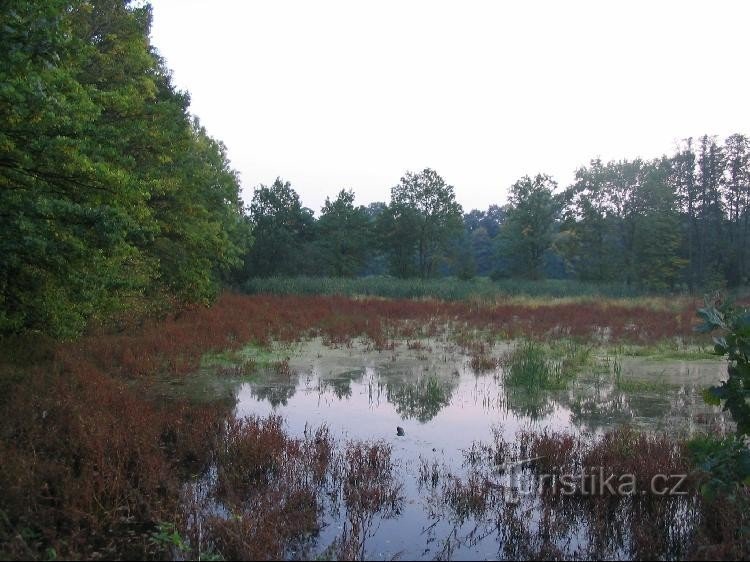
(342, 384)
(276, 394)
(341, 388)
(611, 407)
(592, 413)
(421, 400)
(529, 402)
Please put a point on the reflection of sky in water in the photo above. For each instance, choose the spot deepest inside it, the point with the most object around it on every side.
(366, 414)
(368, 396)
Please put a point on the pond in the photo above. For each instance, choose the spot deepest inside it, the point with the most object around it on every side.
(444, 407)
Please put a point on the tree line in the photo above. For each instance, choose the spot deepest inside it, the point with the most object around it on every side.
(114, 199)
(679, 222)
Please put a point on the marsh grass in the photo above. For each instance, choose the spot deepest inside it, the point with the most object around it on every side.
(448, 288)
(482, 363)
(606, 525)
(537, 366)
(93, 467)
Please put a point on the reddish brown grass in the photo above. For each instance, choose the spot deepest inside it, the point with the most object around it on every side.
(646, 525)
(177, 343)
(91, 466)
(481, 363)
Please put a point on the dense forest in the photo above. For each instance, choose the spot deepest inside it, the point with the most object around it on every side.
(114, 199)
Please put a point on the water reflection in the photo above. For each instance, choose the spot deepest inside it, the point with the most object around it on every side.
(598, 406)
(422, 399)
(363, 390)
(444, 407)
(341, 386)
(276, 394)
(529, 403)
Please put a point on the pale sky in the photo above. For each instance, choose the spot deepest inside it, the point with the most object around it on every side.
(350, 94)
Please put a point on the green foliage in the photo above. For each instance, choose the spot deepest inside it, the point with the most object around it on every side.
(588, 237)
(343, 235)
(110, 194)
(167, 536)
(281, 227)
(621, 222)
(68, 217)
(532, 366)
(114, 200)
(419, 223)
(735, 344)
(527, 366)
(656, 231)
(737, 196)
(527, 232)
(725, 461)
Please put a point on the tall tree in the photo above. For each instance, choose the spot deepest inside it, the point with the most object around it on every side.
(657, 236)
(710, 179)
(683, 177)
(422, 219)
(527, 233)
(377, 258)
(588, 231)
(491, 220)
(281, 227)
(113, 195)
(737, 197)
(343, 235)
(483, 251)
(74, 216)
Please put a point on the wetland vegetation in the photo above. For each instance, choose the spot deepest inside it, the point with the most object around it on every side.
(265, 427)
(184, 376)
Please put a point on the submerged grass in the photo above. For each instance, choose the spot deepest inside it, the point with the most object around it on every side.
(626, 385)
(612, 366)
(261, 355)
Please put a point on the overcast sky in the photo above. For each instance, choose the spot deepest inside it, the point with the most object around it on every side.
(332, 95)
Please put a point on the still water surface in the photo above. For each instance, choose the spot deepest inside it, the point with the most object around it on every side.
(444, 407)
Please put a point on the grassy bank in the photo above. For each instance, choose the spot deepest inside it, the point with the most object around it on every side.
(448, 288)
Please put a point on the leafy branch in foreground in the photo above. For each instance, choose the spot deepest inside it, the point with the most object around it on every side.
(735, 344)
